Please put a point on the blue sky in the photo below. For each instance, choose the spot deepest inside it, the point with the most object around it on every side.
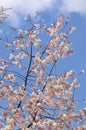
(50, 10)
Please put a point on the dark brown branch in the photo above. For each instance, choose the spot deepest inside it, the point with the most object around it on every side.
(27, 74)
(33, 120)
(49, 75)
(28, 70)
(18, 74)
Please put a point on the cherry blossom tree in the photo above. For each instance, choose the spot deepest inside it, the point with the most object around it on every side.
(3, 13)
(32, 94)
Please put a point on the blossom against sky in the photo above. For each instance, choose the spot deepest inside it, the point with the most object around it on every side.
(76, 9)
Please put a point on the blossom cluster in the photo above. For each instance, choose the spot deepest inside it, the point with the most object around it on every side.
(35, 98)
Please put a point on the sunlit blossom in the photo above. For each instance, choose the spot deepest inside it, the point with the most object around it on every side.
(10, 77)
(2, 68)
(33, 95)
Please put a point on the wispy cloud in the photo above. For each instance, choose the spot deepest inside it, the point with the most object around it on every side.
(70, 6)
(24, 7)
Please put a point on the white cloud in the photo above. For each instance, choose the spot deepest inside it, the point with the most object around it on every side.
(24, 7)
(70, 6)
